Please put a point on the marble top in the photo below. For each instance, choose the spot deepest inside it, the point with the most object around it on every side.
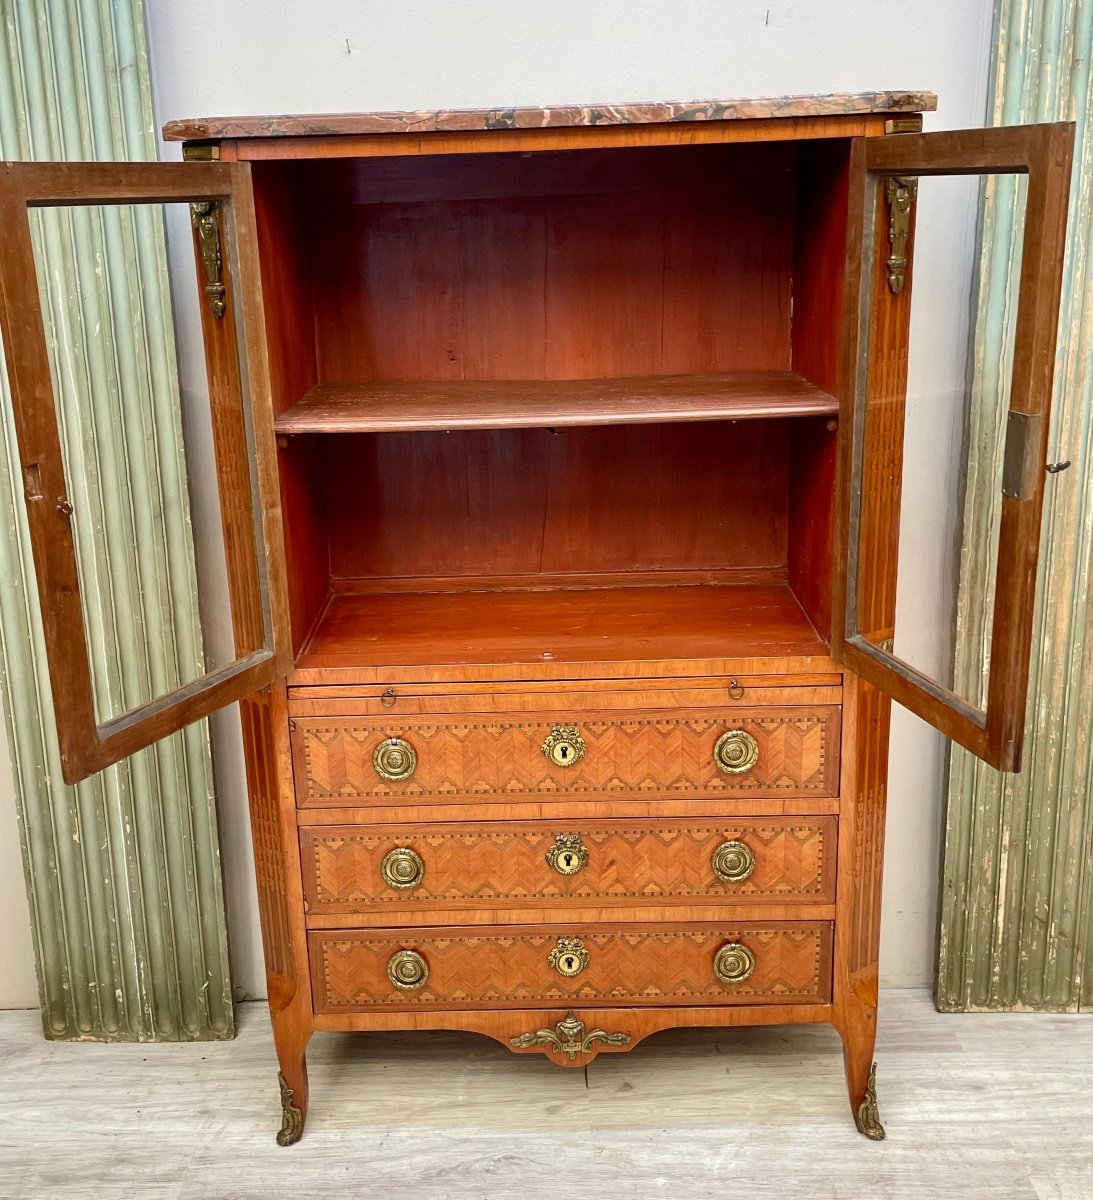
(437, 120)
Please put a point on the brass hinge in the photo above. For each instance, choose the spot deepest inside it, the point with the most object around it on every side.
(205, 215)
(903, 125)
(900, 192)
(1020, 465)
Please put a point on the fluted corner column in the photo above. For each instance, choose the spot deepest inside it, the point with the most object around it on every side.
(123, 871)
(1016, 913)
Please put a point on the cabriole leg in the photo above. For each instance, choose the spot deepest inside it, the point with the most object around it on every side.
(292, 1058)
(859, 1034)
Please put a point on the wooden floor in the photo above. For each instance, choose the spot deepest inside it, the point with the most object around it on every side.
(976, 1106)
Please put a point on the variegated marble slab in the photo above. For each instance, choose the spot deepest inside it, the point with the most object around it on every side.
(436, 120)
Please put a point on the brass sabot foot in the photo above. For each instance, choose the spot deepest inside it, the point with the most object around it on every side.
(292, 1119)
(867, 1118)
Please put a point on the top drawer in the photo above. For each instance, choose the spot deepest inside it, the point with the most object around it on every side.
(773, 752)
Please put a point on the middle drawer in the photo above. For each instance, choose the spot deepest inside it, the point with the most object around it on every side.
(357, 868)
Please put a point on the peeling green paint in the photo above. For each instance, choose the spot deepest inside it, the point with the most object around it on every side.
(1016, 906)
(123, 871)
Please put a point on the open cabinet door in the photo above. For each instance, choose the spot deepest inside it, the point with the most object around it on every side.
(43, 209)
(944, 477)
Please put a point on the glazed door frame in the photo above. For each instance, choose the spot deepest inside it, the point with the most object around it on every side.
(872, 310)
(242, 433)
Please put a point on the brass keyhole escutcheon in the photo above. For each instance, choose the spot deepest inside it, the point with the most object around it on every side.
(402, 868)
(394, 760)
(733, 861)
(569, 957)
(733, 963)
(407, 970)
(568, 855)
(564, 745)
(735, 752)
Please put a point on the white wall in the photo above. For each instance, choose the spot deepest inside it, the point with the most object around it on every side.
(212, 57)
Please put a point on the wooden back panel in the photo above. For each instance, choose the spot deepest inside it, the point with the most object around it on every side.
(709, 496)
(628, 262)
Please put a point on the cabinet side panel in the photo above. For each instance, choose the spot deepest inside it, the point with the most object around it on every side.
(818, 271)
(290, 339)
(280, 889)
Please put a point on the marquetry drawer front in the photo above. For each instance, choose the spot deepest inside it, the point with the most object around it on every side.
(776, 963)
(791, 752)
(350, 869)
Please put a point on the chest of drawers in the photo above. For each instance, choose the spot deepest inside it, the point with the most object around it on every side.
(561, 463)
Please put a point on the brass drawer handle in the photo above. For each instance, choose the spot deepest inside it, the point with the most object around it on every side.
(569, 957)
(733, 861)
(394, 760)
(568, 855)
(407, 970)
(564, 745)
(735, 752)
(402, 868)
(733, 963)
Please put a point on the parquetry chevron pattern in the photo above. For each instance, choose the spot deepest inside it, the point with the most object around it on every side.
(794, 859)
(635, 966)
(639, 753)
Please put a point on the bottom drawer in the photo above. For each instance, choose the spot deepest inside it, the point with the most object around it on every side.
(707, 963)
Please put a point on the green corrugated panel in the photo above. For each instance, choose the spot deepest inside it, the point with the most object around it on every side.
(1017, 878)
(123, 871)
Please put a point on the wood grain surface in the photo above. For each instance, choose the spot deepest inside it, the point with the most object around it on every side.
(637, 754)
(631, 964)
(540, 507)
(509, 628)
(521, 404)
(483, 865)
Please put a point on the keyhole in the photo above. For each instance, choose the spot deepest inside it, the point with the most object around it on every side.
(565, 752)
(569, 960)
(569, 860)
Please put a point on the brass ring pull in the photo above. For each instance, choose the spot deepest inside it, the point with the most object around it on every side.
(569, 957)
(736, 689)
(402, 868)
(733, 963)
(388, 698)
(407, 970)
(733, 861)
(394, 760)
(568, 855)
(564, 745)
(735, 752)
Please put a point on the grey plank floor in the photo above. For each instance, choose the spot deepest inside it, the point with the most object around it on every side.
(976, 1106)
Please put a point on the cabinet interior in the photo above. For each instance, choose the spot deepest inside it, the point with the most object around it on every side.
(573, 404)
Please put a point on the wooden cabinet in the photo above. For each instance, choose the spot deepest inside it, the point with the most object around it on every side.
(561, 463)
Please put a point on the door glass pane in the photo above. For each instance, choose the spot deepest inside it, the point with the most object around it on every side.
(137, 446)
(934, 461)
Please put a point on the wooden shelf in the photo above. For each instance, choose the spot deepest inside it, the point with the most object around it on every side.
(524, 404)
(581, 625)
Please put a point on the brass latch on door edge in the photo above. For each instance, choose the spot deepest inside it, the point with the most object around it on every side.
(1021, 466)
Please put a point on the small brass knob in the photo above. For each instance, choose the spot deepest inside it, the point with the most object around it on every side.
(569, 957)
(733, 861)
(402, 868)
(394, 760)
(407, 970)
(733, 963)
(735, 752)
(564, 745)
(568, 855)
